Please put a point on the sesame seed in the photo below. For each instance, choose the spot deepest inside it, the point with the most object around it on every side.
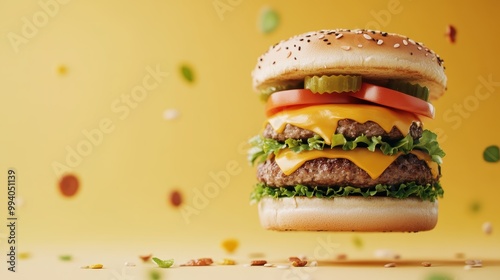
(301, 39)
(325, 40)
(321, 36)
(405, 42)
(380, 42)
(396, 45)
(329, 43)
(278, 49)
(339, 36)
(360, 46)
(289, 54)
(367, 37)
(308, 40)
(274, 62)
(345, 48)
(412, 41)
(419, 48)
(300, 48)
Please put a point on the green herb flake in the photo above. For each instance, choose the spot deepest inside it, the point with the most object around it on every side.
(357, 242)
(163, 263)
(65, 258)
(188, 73)
(269, 20)
(491, 154)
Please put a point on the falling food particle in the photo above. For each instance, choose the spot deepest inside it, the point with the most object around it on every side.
(426, 264)
(24, 255)
(268, 265)
(145, 258)
(163, 263)
(65, 258)
(170, 114)
(269, 20)
(230, 245)
(175, 198)
(199, 262)
(475, 207)
(154, 275)
(93, 266)
(487, 228)
(451, 33)
(283, 266)
(187, 73)
(62, 70)
(390, 264)
(491, 154)
(69, 185)
(258, 262)
(357, 242)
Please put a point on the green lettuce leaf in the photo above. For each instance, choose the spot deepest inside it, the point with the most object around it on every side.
(264, 147)
(428, 192)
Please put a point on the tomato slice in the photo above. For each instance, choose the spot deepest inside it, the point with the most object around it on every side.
(281, 100)
(394, 99)
(368, 94)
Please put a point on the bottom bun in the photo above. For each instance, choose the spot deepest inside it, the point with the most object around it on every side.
(368, 214)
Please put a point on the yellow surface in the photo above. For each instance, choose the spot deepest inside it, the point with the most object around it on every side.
(98, 78)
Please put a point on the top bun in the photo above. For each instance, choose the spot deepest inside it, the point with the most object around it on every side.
(375, 55)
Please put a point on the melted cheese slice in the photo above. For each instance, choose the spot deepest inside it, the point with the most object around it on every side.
(323, 119)
(374, 163)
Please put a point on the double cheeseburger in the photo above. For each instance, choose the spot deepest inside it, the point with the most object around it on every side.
(343, 147)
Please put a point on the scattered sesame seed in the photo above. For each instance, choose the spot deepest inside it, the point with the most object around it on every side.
(396, 45)
(329, 43)
(308, 40)
(360, 46)
(419, 48)
(405, 42)
(268, 265)
(380, 42)
(339, 36)
(300, 48)
(367, 37)
(321, 36)
(278, 49)
(325, 40)
(412, 41)
(289, 54)
(345, 48)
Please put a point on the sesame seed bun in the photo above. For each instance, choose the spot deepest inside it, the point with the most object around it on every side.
(373, 54)
(351, 213)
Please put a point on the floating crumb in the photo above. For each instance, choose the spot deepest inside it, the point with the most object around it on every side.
(24, 255)
(313, 263)
(230, 245)
(65, 258)
(342, 257)
(227, 262)
(426, 264)
(199, 262)
(175, 198)
(390, 264)
(258, 262)
(69, 185)
(268, 265)
(145, 258)
(451, 33)
(269, 20)
(93, 266)
(62, 70)
(171, 114)
(487, 228)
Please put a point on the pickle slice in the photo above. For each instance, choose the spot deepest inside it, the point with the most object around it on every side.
(415, 90)
(265, 93)
(334, 83)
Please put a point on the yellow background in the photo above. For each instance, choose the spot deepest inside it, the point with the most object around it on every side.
(126, 177)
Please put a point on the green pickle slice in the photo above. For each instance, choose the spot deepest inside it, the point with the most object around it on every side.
(334, 83)
(265, 93)
(415, 90)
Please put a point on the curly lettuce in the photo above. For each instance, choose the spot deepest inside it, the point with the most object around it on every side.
(262, 147)
(429, 192)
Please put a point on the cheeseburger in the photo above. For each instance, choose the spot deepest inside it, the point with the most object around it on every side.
(344, 147)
